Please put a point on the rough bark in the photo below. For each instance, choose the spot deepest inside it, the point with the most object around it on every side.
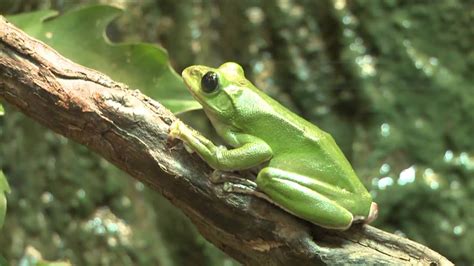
(131, 131)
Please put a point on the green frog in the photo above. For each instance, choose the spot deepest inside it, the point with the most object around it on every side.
(304, 171)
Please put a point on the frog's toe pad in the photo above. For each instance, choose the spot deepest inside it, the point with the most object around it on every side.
(174, 130)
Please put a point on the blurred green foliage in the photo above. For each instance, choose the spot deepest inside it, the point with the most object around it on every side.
(390, 80)
(4, 188)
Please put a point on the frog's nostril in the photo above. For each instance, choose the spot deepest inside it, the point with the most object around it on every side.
(196, 73)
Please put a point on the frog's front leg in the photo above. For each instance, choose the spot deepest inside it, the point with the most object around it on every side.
(296, 194)
(250, 151)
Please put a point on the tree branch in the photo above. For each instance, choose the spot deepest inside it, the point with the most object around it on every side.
(131, 131)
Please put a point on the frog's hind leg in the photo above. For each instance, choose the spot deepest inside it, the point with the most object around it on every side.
(285, 190)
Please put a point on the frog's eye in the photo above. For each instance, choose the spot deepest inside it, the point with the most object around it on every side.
(210, 82)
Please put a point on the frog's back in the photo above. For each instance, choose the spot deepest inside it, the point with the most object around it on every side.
(300, 146)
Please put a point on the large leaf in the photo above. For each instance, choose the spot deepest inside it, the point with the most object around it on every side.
(3, 199)
(80, 36)
(2, 111)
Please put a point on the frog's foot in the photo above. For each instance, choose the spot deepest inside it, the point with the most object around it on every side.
(219, 177)
(244, 189)
(175, 129)
(236, 184)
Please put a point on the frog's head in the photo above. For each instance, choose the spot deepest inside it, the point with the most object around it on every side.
(217, 89)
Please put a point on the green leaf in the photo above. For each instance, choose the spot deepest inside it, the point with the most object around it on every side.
(80, 36)
(3, 199)
(3, 183)
(2, 111)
